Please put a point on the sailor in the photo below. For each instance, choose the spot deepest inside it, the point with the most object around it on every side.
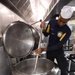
(58, 32)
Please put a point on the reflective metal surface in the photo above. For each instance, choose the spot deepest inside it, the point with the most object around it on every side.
(18, 39)
(26, 67)
(36, 37)
(4, 63)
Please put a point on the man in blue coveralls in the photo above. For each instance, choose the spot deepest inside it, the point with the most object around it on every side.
(59, 33)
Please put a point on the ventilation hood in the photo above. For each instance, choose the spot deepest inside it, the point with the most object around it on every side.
(31, 10)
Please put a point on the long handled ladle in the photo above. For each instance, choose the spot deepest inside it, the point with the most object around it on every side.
(39, 46)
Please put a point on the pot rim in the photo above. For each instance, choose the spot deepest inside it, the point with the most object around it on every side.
(4, 39)
(33, 74)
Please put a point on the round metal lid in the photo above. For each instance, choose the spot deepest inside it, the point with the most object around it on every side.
(18, 39)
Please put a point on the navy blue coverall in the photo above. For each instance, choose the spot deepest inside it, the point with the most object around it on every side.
(57, 37)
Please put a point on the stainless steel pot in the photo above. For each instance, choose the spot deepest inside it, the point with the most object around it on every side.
(44, 67)
(20, 39)
(36, 37)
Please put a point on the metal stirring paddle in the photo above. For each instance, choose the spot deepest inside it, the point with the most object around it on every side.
(39, 46)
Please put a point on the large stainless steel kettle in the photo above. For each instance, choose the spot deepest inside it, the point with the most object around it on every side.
(20, 39)
(44, 67)
(36, 37)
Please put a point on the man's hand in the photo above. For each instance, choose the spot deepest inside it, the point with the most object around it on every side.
(40, 50)
(42, 25)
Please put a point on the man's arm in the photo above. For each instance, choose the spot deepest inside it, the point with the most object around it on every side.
(46, 31)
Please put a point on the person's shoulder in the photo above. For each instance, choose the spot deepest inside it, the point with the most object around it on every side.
(52, 21)
(67, 28)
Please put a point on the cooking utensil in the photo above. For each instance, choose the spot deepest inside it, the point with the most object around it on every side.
(18, 39)
(44, 67)
(36, 37)
(36, 60)
(36, 22)
(39, 46)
